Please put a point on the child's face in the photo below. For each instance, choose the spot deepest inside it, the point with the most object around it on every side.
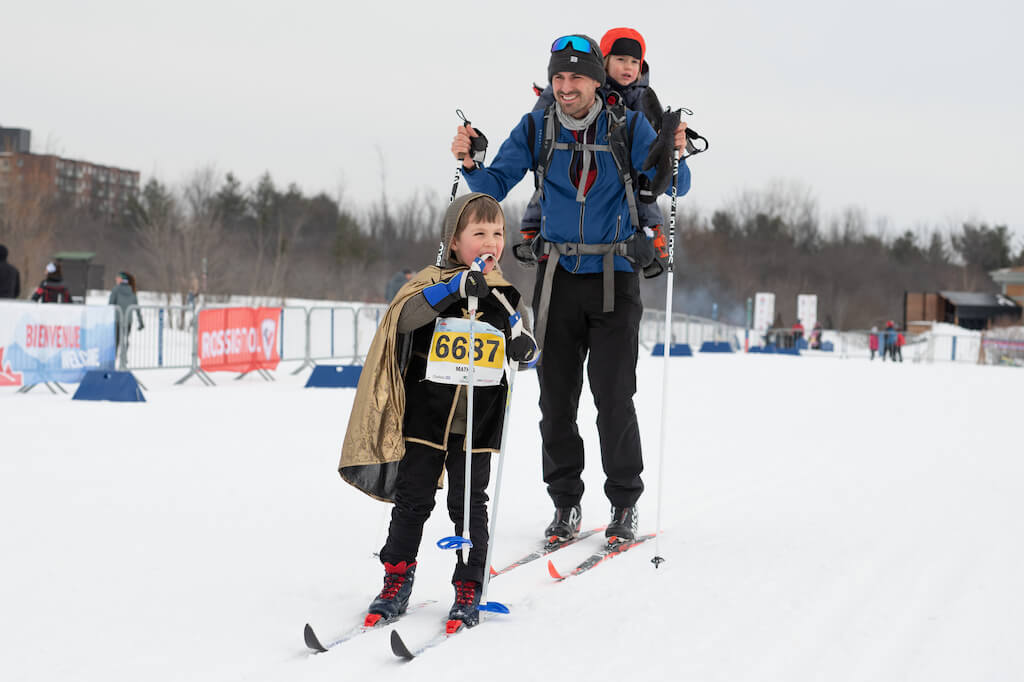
(623, 69)
(477, 239)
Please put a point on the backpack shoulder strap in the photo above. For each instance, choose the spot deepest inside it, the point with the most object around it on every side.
(547, 148)
(620, 143)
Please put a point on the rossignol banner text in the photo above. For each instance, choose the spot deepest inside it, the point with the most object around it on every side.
(239, 339)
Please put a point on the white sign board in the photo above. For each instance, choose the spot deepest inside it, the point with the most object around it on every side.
(764, 311)
(807, 312)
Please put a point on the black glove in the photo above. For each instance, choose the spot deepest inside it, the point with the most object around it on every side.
(478, 147)
(141, 326)
(659, 157)
(653, 269)
(639, 250)
(523, 251)
(522, 348)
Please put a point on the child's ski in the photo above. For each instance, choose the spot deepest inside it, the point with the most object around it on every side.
(546, 549)
(606, 552)
(313, 642)
(400, 649)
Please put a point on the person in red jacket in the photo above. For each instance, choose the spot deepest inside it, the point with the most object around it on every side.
(52, 289)
(873, 341)
(798, 333)
(897, 351)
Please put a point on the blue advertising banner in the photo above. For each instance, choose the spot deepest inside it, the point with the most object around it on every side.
(48, 342)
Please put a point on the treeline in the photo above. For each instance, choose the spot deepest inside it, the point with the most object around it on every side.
(775, 240)
(213, 234)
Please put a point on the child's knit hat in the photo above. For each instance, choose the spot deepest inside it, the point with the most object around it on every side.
(624, 41)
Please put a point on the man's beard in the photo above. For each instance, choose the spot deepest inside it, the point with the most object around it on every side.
(575, 107)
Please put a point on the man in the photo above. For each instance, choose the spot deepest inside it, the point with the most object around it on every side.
(10, 280)
(587, 297)
(396, 282)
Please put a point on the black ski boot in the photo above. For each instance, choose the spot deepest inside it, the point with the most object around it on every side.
(623, 525)
(465, 610)
(394, 598)
(565, 525)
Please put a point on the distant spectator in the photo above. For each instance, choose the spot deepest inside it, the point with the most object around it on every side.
(815, 340)
(898, 348)
(52, 289)
(192, 298)
(873, 341)
(191, 301)
(396, 282)
(10, 279)
(798, 333)
(124, 295)
(889, 341)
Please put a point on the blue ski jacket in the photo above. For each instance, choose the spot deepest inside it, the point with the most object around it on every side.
(603, 218)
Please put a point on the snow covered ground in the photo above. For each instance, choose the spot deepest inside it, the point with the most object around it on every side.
(825, 519)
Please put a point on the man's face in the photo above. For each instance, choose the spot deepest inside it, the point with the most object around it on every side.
(574, 92)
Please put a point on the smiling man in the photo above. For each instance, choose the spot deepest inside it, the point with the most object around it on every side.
(586, 151)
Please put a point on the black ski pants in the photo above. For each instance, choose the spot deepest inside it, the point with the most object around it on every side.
(416, 488)
(577, 327)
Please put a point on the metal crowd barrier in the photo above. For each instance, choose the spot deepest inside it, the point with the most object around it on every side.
(367, 318)
(168, 335)
(688, 329)
(292, 333)
(332, 333)
(165, 340)
(920, 347)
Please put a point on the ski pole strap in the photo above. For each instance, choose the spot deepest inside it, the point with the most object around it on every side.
(606, 251)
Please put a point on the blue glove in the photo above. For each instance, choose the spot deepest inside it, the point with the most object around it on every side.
(466, 283)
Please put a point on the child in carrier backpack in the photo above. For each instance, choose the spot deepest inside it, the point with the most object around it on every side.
(628, 74)
(405, 430)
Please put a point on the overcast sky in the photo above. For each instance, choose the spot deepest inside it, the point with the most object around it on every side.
(909, 109)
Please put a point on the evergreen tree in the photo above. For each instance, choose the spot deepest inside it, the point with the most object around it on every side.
(987, 248)
(936, 253)
(904, 248)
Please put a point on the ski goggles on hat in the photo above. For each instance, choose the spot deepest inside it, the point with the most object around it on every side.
(578, 43)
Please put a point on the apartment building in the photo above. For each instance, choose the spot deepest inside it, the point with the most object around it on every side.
(103, 190)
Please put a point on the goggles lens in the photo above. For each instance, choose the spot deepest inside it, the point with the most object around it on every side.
(577, 43)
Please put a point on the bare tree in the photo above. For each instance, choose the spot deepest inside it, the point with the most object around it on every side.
(157, 221)
(27, 219)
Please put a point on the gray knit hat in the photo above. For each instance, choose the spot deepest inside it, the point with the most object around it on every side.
(589, 64)
(451, 220)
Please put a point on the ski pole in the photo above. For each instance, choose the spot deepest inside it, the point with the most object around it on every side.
(497, 607)
(477, 144)
(457, 541)
(658, 559)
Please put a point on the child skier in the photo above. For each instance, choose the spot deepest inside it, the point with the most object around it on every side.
(405, 430)
(628, 74)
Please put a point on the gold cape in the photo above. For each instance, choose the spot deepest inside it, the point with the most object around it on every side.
(374, 442)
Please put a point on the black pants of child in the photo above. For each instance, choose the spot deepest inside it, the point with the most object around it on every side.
(418, 474)
(576, 327)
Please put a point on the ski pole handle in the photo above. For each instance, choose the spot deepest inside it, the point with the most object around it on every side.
(439, 261)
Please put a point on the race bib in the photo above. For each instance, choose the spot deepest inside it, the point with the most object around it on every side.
(448, 362)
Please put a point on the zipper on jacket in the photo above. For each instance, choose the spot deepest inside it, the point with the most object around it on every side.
(579, 256)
